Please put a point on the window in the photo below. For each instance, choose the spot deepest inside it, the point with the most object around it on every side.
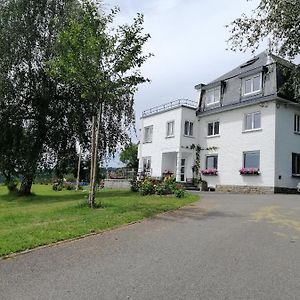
(213, 128)
(146, 164)
(252, 84)
(251, 159)
(212, 162)
(148, 131)
(252, 121)
(170, 128)
(297, 124)
(296, 164)
(212, 96)
(188, 128)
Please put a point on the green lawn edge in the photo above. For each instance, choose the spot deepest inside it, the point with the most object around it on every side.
(49, 217)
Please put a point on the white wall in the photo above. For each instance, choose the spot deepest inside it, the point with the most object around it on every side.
(162, 144)
(232, 142)
(287, 142)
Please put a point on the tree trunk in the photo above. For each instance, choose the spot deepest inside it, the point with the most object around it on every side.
(95, 167)
(25, 189)
(78, 171)
(90, 199)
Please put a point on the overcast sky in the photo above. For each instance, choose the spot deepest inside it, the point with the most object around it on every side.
(188, 39)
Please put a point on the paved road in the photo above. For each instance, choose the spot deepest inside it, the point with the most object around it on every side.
(225, 247)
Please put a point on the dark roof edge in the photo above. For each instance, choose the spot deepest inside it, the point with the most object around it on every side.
(241, 104)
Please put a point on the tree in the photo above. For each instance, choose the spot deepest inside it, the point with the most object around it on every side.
(276, 20)
(38, 115)
(103, 63)
(129, 156)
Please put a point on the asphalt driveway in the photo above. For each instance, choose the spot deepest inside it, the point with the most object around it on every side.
(224, 247)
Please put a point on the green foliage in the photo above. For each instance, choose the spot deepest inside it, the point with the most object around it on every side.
(129, 156)
(49, 216)
(169, 184)
(179, 193)
(36, 112)
(57, 186)
(276, 20)
(135, 185)
(60, 63)
(104, 65)
(147, 187)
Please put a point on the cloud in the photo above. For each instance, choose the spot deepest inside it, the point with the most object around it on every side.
(188, 39)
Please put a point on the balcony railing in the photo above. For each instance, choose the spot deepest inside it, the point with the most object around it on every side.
(170, 105)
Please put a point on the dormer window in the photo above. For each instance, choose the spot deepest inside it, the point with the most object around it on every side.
(212, 96)
(252, 84)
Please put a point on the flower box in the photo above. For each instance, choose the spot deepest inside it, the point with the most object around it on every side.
(249, 171)
(209, 172)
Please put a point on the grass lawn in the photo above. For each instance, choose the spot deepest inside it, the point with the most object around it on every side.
(50, 216)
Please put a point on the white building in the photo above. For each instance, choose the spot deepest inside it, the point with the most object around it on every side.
(247, 126)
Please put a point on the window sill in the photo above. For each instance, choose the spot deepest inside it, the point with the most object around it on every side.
(296, 132)
(147, 142)
(212, 104)
(252, 93)
(252, 130)
(189, 136)
(296, 175)
(170, 136)
(212, 136)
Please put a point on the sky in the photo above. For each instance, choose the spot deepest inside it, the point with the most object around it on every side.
(188, 40)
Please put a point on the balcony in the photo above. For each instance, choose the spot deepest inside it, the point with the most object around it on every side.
(168, 106)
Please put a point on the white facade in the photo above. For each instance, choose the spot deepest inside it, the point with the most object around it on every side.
(166, 152)
(248, 131)
(234, 140)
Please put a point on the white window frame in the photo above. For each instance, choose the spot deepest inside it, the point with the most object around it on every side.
(297, 124)
(295, 156)
(252, 92)
(189, 133)
(215, 156)
(250, 152)
(148, 136)
(213, 90)
(172, 134)
(245, 129)
(214, 134)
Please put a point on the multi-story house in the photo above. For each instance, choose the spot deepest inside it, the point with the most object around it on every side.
(246, 123)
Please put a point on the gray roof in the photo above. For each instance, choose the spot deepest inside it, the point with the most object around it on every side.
(263, 59)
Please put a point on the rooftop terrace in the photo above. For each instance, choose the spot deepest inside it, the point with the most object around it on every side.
(168, 106)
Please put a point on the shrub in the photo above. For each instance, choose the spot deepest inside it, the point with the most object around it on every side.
(69, 186)
(57, 186)
(161, 190)
(147, 187)
(169, 184)
(179, 193)
(12, 185)
(70, 177)
(134, 185)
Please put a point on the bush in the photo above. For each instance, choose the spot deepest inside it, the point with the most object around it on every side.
(161, 190)
(179, 193)
(134, 185)
(69, 186)
(169, 184)
(70, 177)
(147, 187)
(57, 186)
(12, 185)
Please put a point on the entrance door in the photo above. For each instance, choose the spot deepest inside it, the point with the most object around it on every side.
(182, 170)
